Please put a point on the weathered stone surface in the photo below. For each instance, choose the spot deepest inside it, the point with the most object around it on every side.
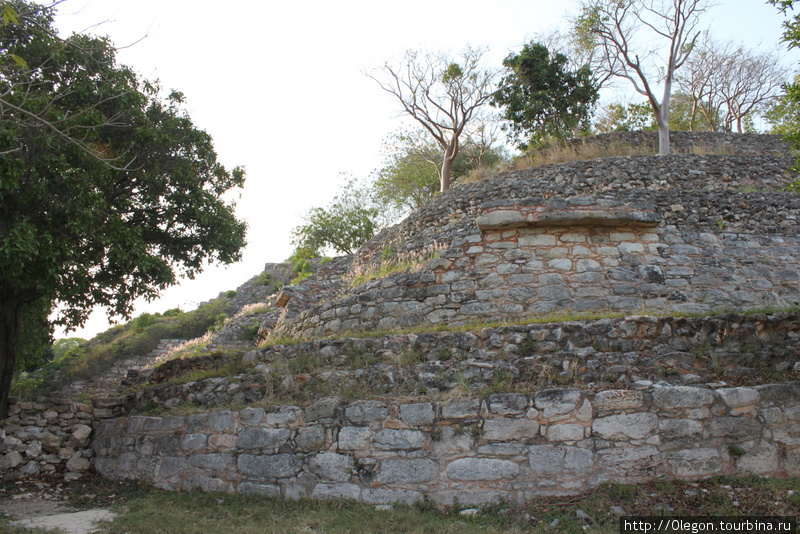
(391, 439)
(509, 429)
(460, 408)
(629, 462)
(565, 432)
(269, 467)
(310, 438)
(263, 438)
(268, 490)
(618, 400)
(481, 469)
(681, 397)
(738, 397)
(552, 460)
(622, 427)
(508, 403)
(336, 491)
(402, 471)
(417, 414)
(556, 403)
(352, 438)
(332, 466)
(694, 462)
(366, 411)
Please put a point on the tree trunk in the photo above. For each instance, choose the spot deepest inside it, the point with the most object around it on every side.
(450, 153)
(9, 349)
(663, 140)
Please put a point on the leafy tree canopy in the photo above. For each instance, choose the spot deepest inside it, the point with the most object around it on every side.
(348, 222)
(542, 97)
(108, 191)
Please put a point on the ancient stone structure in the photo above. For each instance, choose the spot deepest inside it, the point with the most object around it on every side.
(508, 447)
(624, 398)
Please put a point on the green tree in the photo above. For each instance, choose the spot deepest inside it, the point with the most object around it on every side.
(784, 113)
(108, 192)
(348, 222)
(443, 95)
(410, 176)
(542, 98)
(617, 117)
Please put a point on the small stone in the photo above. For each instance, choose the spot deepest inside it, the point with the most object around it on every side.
(583, 516)
(469, 512)
(384, 508)
(78, 464)
(617, 510)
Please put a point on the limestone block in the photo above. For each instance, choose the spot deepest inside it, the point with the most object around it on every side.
(332, 466)
(417, 414)
(629, 462)
(508, 403)
(694, 462)
(674, 397)
(322, 409)
(788, 435)
(452, 442)
(622, 427)
(50, 442)
(170, 466)
(263, 438)
(676, 429)
(354, 438)
(481, 469)
(406, 471)
(193, 442)
(738, 397)
(310, 438)
(509, 429)
(557, 403)
(734, 428)
(761, 458)
(269, 466)
(80, 436)
(565, 432)
(215, 462)
(366, 411)
(251, 416)
(78, 464)
(392, 439)
(11, 460)
(460, 408)
(553, 460)
(336, 491)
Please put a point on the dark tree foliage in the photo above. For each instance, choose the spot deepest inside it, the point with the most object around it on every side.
(108, 192)
(791, 98)
(543, 99)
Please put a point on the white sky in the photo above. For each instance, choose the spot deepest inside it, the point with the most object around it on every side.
(280, 88)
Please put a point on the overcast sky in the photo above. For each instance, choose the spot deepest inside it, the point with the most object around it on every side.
(280, 87)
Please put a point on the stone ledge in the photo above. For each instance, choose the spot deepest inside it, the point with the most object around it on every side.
(503, 219)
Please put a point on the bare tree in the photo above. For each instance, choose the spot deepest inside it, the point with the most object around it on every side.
(728, 82)
(611, 27)
(441, 94)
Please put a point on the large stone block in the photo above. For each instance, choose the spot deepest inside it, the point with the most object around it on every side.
(391, 439)
(417, 414)
(556, 460)
(354, 438)
(336, 491)
(481, 469)
(675, 397)
(623, 427)
(406, 471)
(269, 466)
(618, 400)
(738, 397)
(263, 438)
(509, 429)
(366, 411)
(733, 429)
(556, 403)
(629, 462)
(332, 466)
(694, 462)
(461, 408)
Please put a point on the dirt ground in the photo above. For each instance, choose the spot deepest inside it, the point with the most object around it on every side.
(42, 504)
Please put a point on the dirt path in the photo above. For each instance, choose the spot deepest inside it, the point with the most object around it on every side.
(42, 506)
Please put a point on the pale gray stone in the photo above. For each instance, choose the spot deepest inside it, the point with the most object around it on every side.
(170, 466)
(481, 469)
(269, 466)
(11, 460)
(78, 464)
(366, 411)
(681, 397)
(392, 439)
(508, 403)
(676, 429)
(734, 428)
(332, 466)
(629, 462)
(694, 462)
(263, 438)
(553, 460)
(760, 459)
(565, 432)
(79, 438)
(217, 462)
(417, 414)
(310, 438)
(406, 471)
(193, 442)
(618, 400)
(509, 429)
(383, 495)
(354, 438)
(554, 403)
(622, 427)
(738, 397)
(251, 416)
(461, 408)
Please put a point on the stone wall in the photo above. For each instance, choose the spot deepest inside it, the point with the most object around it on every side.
(46, 437)
(505, 447)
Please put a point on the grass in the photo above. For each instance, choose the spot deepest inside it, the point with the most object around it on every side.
(143, 509)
